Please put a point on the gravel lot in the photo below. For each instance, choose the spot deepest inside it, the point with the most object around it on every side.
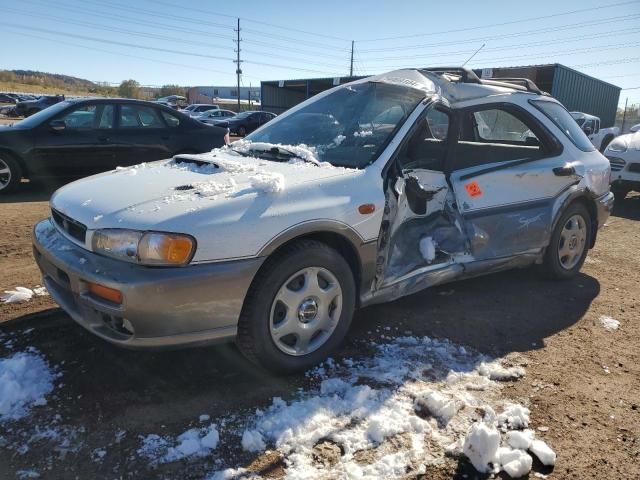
(582, 382)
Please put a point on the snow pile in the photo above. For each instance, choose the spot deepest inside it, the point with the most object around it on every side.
(428, 249)
(23, 294)
(213, 189)
(268, 182)
(194, 442)
(405, 406)
(495, 371)
(609, 323)
(132, 170)
(482, 444)
(25, 380)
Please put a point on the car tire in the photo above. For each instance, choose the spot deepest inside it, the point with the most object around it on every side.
(10, 173)
(242, 131)
(569, 243)
(283, 296)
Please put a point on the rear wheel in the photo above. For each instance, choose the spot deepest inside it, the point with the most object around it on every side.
(569, 243)
(242, 131)
(299, 308)
(10, 173)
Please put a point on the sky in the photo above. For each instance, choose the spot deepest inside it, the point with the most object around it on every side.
(191, 42)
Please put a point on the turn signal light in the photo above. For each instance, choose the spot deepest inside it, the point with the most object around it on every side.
(366, 208)
(106, 293)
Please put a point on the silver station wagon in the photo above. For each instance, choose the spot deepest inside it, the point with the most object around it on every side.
(362, 194)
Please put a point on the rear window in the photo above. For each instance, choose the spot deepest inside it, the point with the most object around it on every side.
(565, 122)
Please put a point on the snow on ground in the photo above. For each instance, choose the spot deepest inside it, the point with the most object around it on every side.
(609, 323)
(23, 294)
(25, 380)
(197, 442)
(415, 401)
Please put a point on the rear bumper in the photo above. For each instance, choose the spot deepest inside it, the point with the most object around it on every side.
(162, 307)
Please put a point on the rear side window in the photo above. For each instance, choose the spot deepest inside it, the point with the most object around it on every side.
(171, 120)
(565, 122)
(137, 116)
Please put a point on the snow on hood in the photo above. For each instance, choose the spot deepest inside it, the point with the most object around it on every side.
(166, 188)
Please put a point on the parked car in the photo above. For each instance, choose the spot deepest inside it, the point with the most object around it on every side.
(8, 98)
(245, 122)
(635, 128)
(624, 155)
(337, 204)
(27, 108)
(76, 138)
(212, 116)
(590, 124)
(196, 109)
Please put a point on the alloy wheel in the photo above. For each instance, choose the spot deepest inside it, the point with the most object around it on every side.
(5, 174)
(305, 311)
(572, 242)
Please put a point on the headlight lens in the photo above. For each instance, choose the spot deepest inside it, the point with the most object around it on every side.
(146, 248)
(618, 145)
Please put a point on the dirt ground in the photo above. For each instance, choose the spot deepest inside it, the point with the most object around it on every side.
(582, 382)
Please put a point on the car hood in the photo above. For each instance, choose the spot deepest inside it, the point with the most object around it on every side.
(631, 140)
(159, 195)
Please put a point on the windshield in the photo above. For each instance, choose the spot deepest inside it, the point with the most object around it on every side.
(37, 118)
(243, 115)
(348, 127)
(190, 107)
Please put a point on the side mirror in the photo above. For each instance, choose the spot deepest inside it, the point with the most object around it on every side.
(57, 125)
(588, 130)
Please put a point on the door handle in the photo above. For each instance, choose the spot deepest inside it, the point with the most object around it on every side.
(566, 171)
(103, 138)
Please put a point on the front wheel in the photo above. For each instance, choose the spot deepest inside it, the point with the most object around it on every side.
(298, 309)
(569, 243)
(10, 173)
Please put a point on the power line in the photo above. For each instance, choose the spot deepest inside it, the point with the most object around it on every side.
(500, 24)
(619, 18)
(288, 28)
(160, 37)
(512, 47)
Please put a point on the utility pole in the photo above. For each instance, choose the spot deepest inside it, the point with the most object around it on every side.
(624, 116)
(238, 62)
(351, 68)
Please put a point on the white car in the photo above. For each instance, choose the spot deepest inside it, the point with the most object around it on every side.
(600, 137)
(362, 194)
(196, 109)
(211, 116)
(624, 155)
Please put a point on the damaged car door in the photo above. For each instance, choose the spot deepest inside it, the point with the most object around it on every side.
(507, 170)
(421, 236)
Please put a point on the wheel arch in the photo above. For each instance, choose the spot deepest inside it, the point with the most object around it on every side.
(584, 197)
(21, 163)
(359, 255)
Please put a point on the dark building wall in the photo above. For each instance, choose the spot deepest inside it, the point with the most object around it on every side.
(575, 90)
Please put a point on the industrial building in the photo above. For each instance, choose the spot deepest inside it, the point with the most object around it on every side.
(576, 90)
(215, 94)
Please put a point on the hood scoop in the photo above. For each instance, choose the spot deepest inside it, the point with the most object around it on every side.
(194, 165)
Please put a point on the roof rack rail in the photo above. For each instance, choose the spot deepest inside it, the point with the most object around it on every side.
(466, 75)
(520, 82)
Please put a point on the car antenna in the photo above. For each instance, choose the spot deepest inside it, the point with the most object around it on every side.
(474, 54)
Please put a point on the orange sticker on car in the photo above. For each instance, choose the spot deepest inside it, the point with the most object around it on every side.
(473, 189)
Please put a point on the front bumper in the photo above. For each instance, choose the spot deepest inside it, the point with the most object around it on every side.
(162, 307)
(604, 206)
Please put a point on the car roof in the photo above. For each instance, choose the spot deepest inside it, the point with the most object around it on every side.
(456, 84)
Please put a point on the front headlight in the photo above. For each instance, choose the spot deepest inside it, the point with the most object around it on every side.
(618, 145)
(145, 248)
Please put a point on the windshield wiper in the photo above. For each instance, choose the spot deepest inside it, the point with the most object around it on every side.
(240, 152)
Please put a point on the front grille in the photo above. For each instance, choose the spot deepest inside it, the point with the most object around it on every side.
(616, 163)
(73, 228)
(634, 167)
